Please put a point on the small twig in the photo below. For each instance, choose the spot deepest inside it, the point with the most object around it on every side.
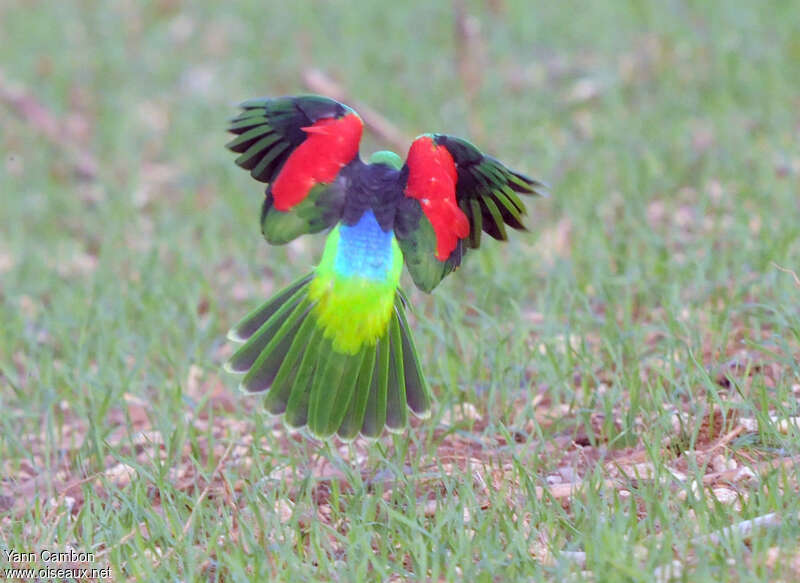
(745, 529)
(123, 540)
(567, 490)
(318, 81)
(730, 475)
(207, 489)
(231, 502)
(60, 492)
(468, 53)
(724, 440)
(19, 100)
(576, 557)
(188, 524)
(787, 270)
(128, 536)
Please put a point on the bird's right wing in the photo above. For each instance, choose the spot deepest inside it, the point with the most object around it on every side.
(453, 192)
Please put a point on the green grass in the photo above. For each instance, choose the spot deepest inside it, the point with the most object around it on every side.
(645, 302)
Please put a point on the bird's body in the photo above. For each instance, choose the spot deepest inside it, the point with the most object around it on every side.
(334, 350)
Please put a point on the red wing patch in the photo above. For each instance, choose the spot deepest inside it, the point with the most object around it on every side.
(331, 144)
(432, 178)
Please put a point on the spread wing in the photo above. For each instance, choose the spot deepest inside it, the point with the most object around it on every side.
(302, 147)
(453, 193)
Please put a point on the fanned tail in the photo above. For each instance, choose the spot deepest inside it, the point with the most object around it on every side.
(287, 356)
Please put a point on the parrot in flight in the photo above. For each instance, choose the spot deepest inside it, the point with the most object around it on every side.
(333, 351)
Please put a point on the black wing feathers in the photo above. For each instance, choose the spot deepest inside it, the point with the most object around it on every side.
(487, 191)
(268, 130)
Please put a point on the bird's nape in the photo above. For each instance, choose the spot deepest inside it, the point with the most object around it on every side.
(388, 158)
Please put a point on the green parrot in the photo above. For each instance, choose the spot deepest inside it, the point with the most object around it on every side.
(334, 350)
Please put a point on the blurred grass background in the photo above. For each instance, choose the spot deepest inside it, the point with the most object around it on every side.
(648, 289)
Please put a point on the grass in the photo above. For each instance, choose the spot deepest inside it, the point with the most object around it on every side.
(629, 366)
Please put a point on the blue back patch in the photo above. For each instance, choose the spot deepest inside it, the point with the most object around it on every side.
(365, 250)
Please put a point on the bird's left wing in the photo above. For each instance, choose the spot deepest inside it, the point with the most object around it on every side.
(302, 146)
(453, 192)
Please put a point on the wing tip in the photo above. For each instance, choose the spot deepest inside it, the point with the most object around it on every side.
(242, 388)
(532, 185)
(234, 336)
(397, 430)
(228, 367)
(426, 414)
(293, 430)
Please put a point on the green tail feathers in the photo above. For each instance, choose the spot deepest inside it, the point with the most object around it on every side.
(287, 356)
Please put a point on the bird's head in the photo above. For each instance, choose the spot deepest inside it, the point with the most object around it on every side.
(386, 157)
